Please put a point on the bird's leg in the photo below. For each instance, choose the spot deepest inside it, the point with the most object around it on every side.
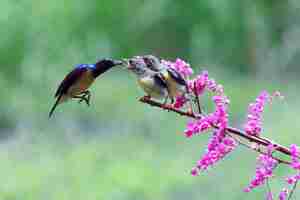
(89, 94)
(166, 100)
(172, 100)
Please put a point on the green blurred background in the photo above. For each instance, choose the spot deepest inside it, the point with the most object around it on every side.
(119, 148)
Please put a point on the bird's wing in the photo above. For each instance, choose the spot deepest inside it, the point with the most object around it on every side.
(177, 77)
(159, 79)
(69, 80)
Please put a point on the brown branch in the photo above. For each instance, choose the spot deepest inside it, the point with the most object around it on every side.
(256, 139)
(279, 160)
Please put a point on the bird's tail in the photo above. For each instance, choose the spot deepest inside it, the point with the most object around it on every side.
(54, 106)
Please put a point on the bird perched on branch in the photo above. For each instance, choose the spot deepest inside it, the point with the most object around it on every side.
(150, 81)
(75, 84)
(176, 83)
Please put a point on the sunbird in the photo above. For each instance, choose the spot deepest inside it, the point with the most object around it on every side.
(150, 81)
(176, 83)
(76, 83)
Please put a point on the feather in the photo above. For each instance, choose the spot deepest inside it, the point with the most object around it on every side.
(69, 80)
(177, 77)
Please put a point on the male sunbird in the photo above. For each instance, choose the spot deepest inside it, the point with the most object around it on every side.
(176, 83)
(75, 84)
(150, 81)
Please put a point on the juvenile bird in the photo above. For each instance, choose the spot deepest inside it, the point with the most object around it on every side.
(150, 81)
(176, 83)
(75, 84)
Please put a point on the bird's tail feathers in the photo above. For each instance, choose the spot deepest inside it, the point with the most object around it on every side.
(55, 105)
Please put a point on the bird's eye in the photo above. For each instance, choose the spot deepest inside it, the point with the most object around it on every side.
(147, 61)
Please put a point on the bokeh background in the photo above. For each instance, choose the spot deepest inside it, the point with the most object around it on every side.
(119, 148)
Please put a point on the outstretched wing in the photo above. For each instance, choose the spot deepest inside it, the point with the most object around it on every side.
(69, 80)
(177, 77)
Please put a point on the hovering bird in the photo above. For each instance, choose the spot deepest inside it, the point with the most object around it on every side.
(150, 81)
(75, 84)
(176, 83)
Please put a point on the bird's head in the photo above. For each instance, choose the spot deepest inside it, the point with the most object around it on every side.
(107, 62)
(136, 65)
(152, 62)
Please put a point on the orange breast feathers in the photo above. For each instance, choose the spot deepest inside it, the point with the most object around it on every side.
(82, 84)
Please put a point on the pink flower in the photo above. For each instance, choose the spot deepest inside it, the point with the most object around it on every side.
(295, 153)
(283, 194)
(253, 125)
(219, 144)
(269, 196)
(179, 102)
(199, 83)
(291, 180)
(194, 171)
(197, 126)
(295, 164)
(180, 66)
(218, 147)
(264, 170)
(218, 118)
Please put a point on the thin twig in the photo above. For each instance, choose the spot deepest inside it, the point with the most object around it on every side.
(292, 191)
(256, 139)
(197, 98)
(259, 150)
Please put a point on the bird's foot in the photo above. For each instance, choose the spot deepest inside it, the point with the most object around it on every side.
(85, 99)
(166, 105)
(86, 96)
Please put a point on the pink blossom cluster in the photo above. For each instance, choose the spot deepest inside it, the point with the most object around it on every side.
(295, 164)
(283, 194)
(198, 84)
(220, 144)
(269, 196)
(253, 125)
(202, 82)
(180, 66)
(180, 101)
(264, 170)
(218, 147)
(198, 126)
(295, 153)
(219, 117)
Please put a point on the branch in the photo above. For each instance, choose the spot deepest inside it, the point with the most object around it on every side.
(256, 139)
